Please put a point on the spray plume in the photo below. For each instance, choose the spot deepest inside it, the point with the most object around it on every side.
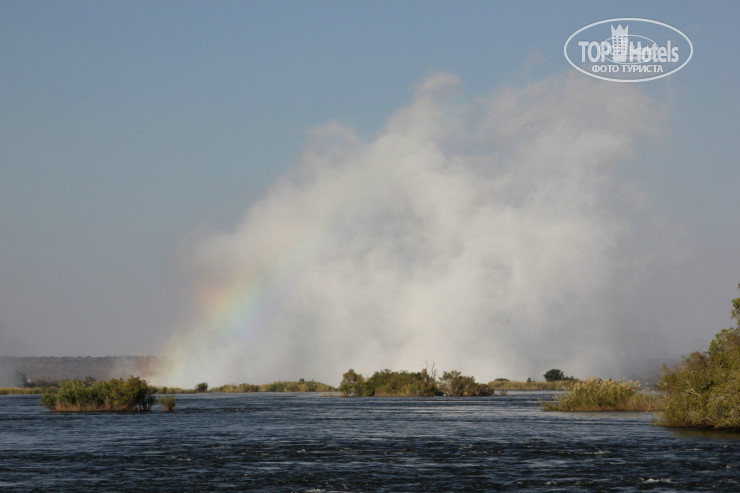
(483, 234)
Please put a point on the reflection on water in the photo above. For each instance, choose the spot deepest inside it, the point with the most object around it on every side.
(305, 442)
(707, 434)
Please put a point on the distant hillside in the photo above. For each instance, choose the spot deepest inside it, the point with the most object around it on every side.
(67, 367)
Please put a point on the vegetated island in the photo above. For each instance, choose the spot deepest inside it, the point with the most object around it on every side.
(115, 395)
(426, 383)
(703, 391)
(500, 384)
(301, 385)
(137, 395)
(52, 386)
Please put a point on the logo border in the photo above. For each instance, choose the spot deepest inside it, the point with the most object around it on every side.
(565, 49)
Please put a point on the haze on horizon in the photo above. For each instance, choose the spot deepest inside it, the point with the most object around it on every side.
(283, 191)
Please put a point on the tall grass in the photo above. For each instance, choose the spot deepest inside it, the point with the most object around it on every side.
(595, 394)
(301, 385)
(168, 402)
(24, 390)
(232, 388)
(513, 385)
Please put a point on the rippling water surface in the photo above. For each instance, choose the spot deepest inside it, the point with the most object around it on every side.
(306, 442)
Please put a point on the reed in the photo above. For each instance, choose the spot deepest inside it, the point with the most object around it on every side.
(232, 388)
(168, 402)
(532, 385)
(595, 394)
(301, 385)
(23, 390)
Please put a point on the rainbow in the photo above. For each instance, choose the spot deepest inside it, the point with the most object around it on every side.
(239, 312)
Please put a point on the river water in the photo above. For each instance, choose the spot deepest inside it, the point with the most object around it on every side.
(306, 442)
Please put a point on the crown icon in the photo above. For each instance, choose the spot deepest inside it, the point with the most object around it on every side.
(620, 31)
(620, 37)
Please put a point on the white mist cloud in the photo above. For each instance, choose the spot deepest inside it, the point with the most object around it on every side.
(486, 235)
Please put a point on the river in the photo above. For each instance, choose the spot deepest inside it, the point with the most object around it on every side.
(312, 443)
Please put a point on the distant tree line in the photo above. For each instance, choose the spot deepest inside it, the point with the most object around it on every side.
(39, 371)
(301, 385)
(424, 383)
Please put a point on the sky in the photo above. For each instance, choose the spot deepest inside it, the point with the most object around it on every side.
(283, 190)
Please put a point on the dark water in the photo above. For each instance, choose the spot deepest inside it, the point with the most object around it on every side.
(305, 442)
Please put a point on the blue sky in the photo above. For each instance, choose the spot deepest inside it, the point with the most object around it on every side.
(128, 128)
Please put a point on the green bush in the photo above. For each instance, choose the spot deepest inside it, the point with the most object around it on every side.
(389, 383)
(133, 394)
(424, 383)
(704, 390)
(455, 384)
(168, 402)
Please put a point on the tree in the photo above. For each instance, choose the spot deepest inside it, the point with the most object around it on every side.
(554, 375)
(452, 383)
(352, 383)
(201, 387)
(455, 384)
(428, 381)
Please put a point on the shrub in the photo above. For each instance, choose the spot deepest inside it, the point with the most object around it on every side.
(201, 387)
(704, 390)
(390, 383)
(455, 384)
(49, 400)
(133, 394)
(424, 383)
(168, 402)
